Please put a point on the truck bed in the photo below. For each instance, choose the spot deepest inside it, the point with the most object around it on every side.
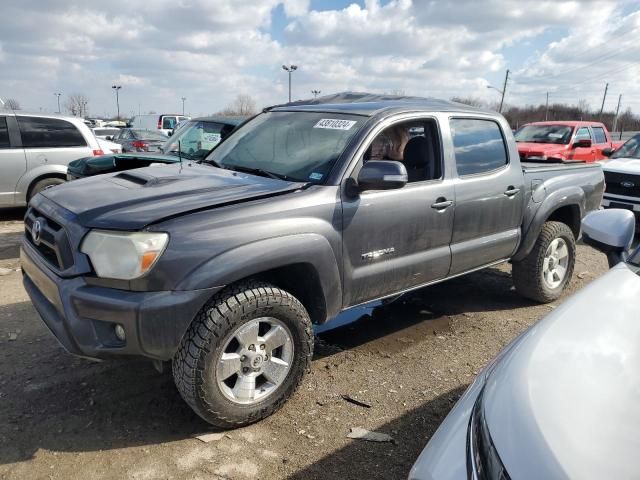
(530, 167)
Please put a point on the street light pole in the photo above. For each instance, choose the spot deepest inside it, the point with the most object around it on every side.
(183, 99)
(315, 93)
(289, 69)
(117, 89)
(58, 95)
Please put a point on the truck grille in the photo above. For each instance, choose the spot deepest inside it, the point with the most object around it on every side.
(49, 239)
(622, 184)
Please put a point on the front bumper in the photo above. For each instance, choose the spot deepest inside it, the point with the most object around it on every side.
(82, 317)
(445, 456)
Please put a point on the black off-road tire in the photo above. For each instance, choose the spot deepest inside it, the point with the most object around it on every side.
(43, 184)
(194, 368)
(527, 273)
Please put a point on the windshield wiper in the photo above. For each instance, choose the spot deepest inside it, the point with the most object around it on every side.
(258, 171)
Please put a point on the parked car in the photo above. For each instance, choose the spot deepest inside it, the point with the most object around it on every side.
(108, 147)
(35, 149)
(561, 401)
(163, 122)
(135, 140)
(564, 141)
(223, 267)
(196, 137)
(109, 163)
(106, 133)
(622, 178)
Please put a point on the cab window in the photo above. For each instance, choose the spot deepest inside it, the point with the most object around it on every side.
(479, 146)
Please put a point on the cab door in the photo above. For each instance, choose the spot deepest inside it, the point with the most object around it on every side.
(13, 163)
(395, 240)
(489, 195)
(586, 154)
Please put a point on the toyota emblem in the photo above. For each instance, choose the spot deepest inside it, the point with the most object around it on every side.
(36, 231)
(628, 184)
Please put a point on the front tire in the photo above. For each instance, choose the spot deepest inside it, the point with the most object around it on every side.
(43, 185)
(543, 274)
(244, 355)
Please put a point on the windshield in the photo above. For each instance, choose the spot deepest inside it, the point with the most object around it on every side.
(630, 149)
(560, 134)
(301, 146)
(196, 138)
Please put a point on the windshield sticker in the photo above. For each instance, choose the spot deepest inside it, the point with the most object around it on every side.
(555, 135)
(315, 176)
(335, 124)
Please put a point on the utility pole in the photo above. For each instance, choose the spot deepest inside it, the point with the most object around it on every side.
(290, 69)
(117, 89)
(604, 98)
(546, 111)
(183, 99)
(615, 121)
(504, 89)
(58, 95)
(315, 93)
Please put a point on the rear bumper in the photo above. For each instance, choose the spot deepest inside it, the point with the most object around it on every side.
(82, 317)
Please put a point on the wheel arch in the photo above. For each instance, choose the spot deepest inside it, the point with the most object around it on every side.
(565, 205)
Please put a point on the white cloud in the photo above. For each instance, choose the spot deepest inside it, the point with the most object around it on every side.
(210, 50)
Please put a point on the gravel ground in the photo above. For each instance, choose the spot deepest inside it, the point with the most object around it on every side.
(68, 418)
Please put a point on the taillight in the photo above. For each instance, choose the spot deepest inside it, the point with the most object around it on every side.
(97, 153)
(140, 144)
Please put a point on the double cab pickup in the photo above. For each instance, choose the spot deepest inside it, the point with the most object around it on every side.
(223, 266)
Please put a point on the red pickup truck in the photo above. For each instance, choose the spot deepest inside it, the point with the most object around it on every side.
(564, 141)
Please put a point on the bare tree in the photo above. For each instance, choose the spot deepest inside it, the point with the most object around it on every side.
(76, 104)
(12, 104)
(243, 105)
(471, 101)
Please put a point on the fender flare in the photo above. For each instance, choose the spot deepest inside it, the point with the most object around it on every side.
(564, 197)
(257, 257)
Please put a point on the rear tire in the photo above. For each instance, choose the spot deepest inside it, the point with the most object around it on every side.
(44, 184)
(244, 355)
(543, 274)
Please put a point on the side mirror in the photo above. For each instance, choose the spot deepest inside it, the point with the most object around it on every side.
(382, 175)
(582, 143)
(611, 231)
(607, 152)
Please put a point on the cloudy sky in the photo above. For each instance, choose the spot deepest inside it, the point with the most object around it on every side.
(211, 50)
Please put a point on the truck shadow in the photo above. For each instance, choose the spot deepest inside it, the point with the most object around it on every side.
(54, 401)
(12, 213)
(422, 312)
(361, 459)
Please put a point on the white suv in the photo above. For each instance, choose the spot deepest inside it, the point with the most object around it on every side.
(35, 149)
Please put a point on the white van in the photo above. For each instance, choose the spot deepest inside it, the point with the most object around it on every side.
(35, 149)
(163, 122)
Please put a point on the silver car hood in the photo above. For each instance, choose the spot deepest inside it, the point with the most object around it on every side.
(565, 401)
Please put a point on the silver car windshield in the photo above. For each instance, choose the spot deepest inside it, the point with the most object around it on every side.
(298, 146)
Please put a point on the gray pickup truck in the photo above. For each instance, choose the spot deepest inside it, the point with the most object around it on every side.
(223, 267)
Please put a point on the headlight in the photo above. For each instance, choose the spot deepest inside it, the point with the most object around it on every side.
(123, 255)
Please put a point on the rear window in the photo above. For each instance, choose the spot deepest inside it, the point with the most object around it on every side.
(49, 133)
(598, 133)
(169, 123)
(4, 133)
(149, 135)
(478, 144)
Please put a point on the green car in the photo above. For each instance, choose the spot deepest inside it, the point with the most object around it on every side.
(194, 139)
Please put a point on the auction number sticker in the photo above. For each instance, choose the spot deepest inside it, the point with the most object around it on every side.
(335, 124)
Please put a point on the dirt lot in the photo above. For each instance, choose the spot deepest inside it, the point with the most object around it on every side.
(69, 418)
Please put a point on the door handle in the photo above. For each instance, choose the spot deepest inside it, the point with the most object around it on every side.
(441, 204)
(511, 191)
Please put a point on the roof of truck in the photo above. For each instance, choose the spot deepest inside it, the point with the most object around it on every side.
(568, 123)
(369, 104)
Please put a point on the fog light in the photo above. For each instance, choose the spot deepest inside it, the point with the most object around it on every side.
(119, 331)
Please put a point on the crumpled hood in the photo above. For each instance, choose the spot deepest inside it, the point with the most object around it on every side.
(623, 165)
(540, 149)
(133, 199)
(564, 401)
